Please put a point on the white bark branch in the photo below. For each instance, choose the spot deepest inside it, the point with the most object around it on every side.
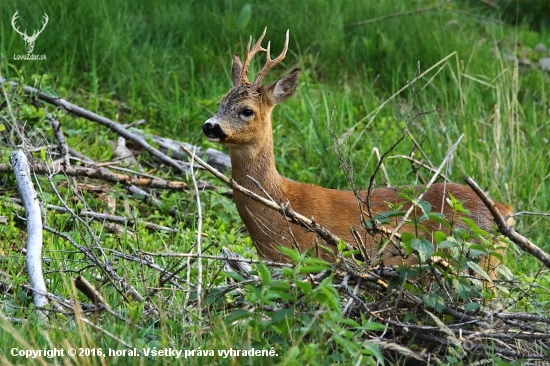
(34, 230)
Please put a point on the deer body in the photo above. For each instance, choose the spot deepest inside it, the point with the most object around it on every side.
(243, 123)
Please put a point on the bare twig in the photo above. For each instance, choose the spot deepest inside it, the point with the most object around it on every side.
(146, 196)
(103, 174)
(222, 258)
(199, 237)
(530, 213)
(13, 120)
(417, 162)
(113, 218)
(508, 231)
(373, 175)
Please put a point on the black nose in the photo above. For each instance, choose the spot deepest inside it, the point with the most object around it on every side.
(213, 131)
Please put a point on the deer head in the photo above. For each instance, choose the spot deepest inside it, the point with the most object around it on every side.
(29, 40)
(244, 115)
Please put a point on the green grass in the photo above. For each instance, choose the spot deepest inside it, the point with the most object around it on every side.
(169, 62)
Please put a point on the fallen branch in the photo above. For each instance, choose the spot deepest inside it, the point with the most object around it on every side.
(101, 173)
(217, 159)
(146, 196)
(89, 291)
(116, 219)
(506, 230)
(34, 230)
(112, 125)
(219, 257)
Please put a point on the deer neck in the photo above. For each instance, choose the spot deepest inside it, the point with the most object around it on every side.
(257, 160)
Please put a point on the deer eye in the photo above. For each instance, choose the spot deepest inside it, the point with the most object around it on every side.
(247, 113)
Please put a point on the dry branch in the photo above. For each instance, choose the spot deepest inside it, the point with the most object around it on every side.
(207, 256)
(217, 159)
(90, 291)
(508, 231)
(113, 218)
(34, 230)
(112, 125)
(101, 173)
(146, 196)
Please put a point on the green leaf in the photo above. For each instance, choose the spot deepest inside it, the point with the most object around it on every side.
(406, 237)
(373, 326)
(425, 207)
(372, 349)
(434, 300)
(439, 236)
(305, 287)
(449, 243)
(471, 306)
(476, 268)
(505, 272)
(265, 275)
(341, 246)
(288, 272)
(462, 287)
(313, 269)
(316, 261)
(476, 249)
(234, 275)
(473, 226)
(440, 219)
(237, 315)
(456, 204)
(282, 314)
(292, 253)
(423, 247)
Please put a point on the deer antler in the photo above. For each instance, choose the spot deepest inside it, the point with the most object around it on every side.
(249, 54)
(269, 63)
(15, 27)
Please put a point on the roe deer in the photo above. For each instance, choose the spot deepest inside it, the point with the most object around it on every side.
(243, 123)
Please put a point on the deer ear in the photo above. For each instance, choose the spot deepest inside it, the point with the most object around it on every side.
(283, 88)
(236, 69)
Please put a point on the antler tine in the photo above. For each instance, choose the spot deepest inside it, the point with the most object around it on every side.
(269, 63)
(249, 54)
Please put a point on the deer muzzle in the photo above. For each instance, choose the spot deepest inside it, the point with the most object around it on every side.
(213, 131)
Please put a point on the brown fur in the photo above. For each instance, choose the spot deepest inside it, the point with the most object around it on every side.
(250, 142)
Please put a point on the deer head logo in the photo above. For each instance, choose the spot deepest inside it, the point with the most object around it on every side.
(29, 40)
